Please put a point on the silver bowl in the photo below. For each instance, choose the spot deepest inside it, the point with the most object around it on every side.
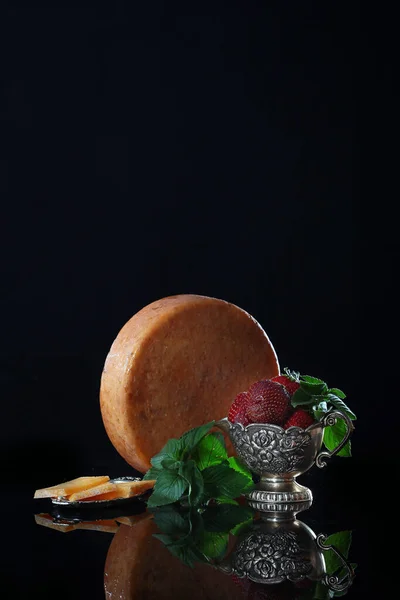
(280, 455)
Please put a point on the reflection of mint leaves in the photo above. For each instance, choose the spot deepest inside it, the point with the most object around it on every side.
(198, 536)
(225, 517)
(342, 542)
(333, 564)
(315, 396)
(195, 469)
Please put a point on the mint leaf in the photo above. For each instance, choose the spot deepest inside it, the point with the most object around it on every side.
(213, 544)
(172, 450)
(168, 488)
(338, 403)
(342, 542)
(191, 438)
(314, 388)
(334, 434)
(311, 380)
(236, 464)
(225, 517)
(301, 398)
(152, 473)
(221, 480)
(210, 450)
(337, 392)
(194, 479)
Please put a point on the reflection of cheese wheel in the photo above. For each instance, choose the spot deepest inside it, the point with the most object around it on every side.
(139, 566)
(176, 364)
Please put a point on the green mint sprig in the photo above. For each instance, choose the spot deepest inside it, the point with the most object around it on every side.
(195, 469)
(194, 536)
(315, 396)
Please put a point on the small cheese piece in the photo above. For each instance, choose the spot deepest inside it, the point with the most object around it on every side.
(93, 492)
(176, 364)
(125, 489)
(70, 487)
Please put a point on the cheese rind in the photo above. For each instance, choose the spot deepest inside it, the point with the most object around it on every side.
(176, 364)
(70, 487)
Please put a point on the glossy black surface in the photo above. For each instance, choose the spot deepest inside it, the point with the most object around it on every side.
(46, 563)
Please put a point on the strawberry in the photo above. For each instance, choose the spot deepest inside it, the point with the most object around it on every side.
(237, 411)
(269, 403)
(290, 385)
(299, 418)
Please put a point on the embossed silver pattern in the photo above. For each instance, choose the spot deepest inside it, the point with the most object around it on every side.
(269, 448)
(271, 557)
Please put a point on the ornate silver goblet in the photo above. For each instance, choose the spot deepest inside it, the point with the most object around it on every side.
(280, 455)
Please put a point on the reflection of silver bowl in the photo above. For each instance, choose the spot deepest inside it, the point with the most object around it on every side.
(279, 456)
(272, 552)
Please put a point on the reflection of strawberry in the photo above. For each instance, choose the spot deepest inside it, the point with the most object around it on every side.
(299, 418)
(290, 385)
(237, 412)
(269, 403)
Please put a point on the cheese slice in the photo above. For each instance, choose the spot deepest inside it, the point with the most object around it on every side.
(176, 364)
(125, 489)
(93, 492)
(70, 487)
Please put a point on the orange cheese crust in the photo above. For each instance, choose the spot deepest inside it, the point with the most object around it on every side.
(176, 364)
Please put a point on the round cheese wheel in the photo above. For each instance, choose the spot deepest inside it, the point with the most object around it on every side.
(138, 565)
(176, 364)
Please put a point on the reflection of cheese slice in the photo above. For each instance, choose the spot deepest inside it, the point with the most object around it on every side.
(46, 520)
(70, 487)
(106, 525)
(126, 489)
(176, 364)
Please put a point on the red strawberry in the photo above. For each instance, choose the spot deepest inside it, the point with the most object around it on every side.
(237, 411)
(269, 403)
(290, 385)
(299, 418)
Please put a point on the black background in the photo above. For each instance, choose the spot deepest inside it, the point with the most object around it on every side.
(163, 148)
